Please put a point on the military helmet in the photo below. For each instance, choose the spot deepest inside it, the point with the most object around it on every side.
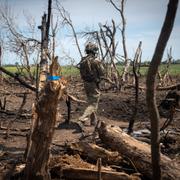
(91, 48)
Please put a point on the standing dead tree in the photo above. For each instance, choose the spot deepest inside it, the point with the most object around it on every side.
(108, 37)
(123, 35)
(136, 68)
(164, 76)
(44, 110)
(43, 122)
(151, 93)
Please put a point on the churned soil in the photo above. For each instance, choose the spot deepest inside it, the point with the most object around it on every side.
(115, 108)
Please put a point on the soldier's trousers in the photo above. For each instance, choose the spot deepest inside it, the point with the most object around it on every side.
(93, 96)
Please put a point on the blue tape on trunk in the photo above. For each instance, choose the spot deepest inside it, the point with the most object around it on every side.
(53, 78)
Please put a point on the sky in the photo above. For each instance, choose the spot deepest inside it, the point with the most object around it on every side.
(144, 21)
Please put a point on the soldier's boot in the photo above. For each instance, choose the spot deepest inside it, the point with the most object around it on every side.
(93, 119)
(81, 126)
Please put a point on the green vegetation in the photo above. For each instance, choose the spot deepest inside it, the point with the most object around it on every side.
(173, 70)
(73, 71)
(12, 69)
(70, 71)
(66, 70)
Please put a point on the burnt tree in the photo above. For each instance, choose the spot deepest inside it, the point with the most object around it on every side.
(136, 67)
(43, 122)
(44, 47)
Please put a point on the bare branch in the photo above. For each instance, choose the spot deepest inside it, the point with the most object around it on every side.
(115, 6)
(16, 77)
(123, 28)
(67, 20)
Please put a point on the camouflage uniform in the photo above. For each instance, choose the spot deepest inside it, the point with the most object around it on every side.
(91, 71)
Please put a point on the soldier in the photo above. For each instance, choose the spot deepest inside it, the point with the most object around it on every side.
(91, 71)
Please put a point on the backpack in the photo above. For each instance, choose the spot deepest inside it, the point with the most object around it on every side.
(87, 70)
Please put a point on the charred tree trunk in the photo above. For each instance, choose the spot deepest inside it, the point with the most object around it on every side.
(44, 46)
(123, 29)
(136, 66)
(44, 52)
(68, 103)
(0, 63)
(127, 62)
(43, 128)
(150, 93)
(138, 152)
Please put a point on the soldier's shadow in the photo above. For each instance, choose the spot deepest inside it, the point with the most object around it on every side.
(69, 126)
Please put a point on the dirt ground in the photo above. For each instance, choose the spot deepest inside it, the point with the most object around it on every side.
(114, 108)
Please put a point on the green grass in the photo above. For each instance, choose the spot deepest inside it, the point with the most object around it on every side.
(73, 71)
(66, 70)
(70, 71)
(12, 69)
(173, 70)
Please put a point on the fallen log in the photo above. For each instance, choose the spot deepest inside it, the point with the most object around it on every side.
(16, 133)
(15, 129)
(72, 167)
(138, 152)
(90, 174)
(129, 86)
(172, 87)
(93, 152)
(13, 113)
(158, 88)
